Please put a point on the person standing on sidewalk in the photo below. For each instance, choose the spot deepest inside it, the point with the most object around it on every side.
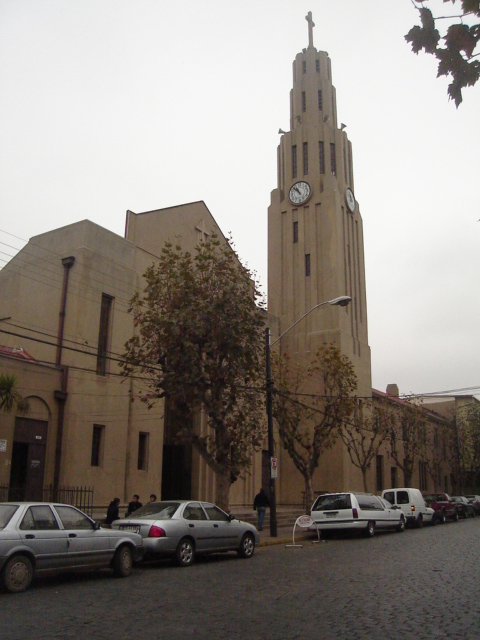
(260, 504)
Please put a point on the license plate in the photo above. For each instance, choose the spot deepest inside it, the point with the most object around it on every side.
(331, 515)
(130, 528)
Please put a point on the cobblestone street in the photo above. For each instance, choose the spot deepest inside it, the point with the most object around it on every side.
(418, 584)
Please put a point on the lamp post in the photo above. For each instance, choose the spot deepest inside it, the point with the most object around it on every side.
(341, 301)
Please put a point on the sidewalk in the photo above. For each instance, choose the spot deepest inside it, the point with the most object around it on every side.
(285, 536)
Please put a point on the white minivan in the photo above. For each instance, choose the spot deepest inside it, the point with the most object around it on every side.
(412, 504)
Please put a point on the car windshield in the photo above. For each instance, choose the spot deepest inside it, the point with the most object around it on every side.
(156, 511)
(6, 512)
(332, 502)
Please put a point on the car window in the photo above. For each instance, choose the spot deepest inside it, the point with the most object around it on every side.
(369, 503)
(194, 511)
(402, 497)
(156, 510)
(73, 519)
(385, 503)
(39, 518)
(214, 513)
(389, 496)
(332, 502)
(6, 512)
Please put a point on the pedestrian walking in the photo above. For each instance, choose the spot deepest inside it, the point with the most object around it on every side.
(112, 511)
(133, 505)
(260, 504)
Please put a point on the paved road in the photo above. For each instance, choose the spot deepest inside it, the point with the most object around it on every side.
(392, 586)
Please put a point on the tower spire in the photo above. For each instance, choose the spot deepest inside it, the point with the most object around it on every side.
(311, 24)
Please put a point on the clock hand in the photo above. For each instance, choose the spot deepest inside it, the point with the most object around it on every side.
(297, 190)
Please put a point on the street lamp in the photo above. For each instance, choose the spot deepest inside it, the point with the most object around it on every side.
(341, 301)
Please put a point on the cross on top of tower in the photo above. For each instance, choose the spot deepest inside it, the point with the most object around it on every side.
(311, 24)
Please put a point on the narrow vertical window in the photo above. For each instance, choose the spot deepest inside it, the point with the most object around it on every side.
(333, 159)
(304, 101)
(317, 65)
(103, 334)
(305, 158)
(345, 164)
(142, 464)
(307, 264)
(329, 68)
(350, 165)
(304, 66)
(393, 477)
(379, 473)
(294, 161)
(321, 157)
(320, 100)
(295, 232)
(98, 437)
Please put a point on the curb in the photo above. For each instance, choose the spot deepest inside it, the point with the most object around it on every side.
(269, 542)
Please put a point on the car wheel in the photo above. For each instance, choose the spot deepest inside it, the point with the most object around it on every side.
(419, 522)
(17, 574)
(247, 546)
(123, 562)
(369, 531)
(401, 525)
(443, 518)
(185, 553)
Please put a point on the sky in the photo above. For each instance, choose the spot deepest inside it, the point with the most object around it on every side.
(109, 105)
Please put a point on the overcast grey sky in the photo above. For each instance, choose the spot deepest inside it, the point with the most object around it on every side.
(109, 105)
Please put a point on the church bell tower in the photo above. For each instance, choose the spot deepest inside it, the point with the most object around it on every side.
(315, 231)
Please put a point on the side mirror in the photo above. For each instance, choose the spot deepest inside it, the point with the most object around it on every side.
(96, 526)
(230, 517)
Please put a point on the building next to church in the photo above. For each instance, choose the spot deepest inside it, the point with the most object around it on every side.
(64, 302)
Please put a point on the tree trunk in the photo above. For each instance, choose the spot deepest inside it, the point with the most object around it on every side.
(309, 497)
(223, 490)
(364, 476)
(407, 477)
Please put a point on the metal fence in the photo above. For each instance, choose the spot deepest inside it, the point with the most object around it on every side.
(80, 497)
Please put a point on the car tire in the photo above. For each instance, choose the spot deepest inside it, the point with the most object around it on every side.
(369, 531)
(443, 518)
(247, 546)
(185, 554)
(123, 562)
(17, 574)
(419, 522)
(401, 526)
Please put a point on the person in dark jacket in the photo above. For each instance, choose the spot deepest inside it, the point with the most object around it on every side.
(260, 504)
(112, 511)
(133, 505)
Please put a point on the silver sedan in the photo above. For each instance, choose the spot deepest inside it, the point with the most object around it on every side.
(41, 538)
(184, 528)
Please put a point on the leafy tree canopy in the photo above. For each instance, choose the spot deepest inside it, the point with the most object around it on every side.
(454, 47)
(199, 343)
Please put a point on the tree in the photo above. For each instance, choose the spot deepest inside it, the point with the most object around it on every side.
(310, 404)
(364, 434)
(9, 396)
(199, 344)
(466, 445)
(457, 57)
(410, 426)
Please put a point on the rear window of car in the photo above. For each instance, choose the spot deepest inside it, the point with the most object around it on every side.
(332, 502)
(433, 497)
(156, 511)
(6, 512)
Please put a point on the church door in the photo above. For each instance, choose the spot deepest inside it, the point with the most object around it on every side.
(28, 459)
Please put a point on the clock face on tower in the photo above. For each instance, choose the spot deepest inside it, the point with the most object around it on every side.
(350, 200)
(300, 192)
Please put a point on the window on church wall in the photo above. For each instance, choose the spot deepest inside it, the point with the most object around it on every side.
(317, 65)
(307, 264)
(294, 161)
(304, 101)
(142, 462)
(345, 164)
(98, 439)
(321, 157)
(422, 470)
(333, 159)
(103, 334)
(393, 477)
(295, 232)
(320, 100)
(305, 158)
(304, 66)
(350, 165)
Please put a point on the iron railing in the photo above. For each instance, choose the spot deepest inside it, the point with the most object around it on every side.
(80, 497)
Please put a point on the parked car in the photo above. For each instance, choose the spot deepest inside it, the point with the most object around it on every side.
(464, 507)
(475, 500)
(39, 538)
(443, 506)
(183, 529)
(355, 511)
(412, 504)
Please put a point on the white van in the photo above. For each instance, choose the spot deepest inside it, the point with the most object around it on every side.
(412, 504)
